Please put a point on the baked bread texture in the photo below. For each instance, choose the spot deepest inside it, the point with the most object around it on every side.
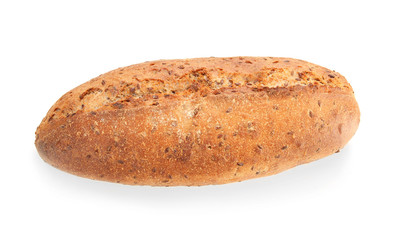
(199, 121)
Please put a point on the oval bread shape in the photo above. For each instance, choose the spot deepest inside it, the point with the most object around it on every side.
(199, 121)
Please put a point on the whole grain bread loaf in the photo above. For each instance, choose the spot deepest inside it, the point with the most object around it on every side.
(199, 121)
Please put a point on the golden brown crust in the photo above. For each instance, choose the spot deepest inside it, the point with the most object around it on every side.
(199, 121)
(154, 82)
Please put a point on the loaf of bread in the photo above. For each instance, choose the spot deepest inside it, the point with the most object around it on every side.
(199, 121)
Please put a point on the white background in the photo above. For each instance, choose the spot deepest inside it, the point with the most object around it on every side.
(49, 47)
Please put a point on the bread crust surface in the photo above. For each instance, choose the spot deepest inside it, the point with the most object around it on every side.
(199, 121)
